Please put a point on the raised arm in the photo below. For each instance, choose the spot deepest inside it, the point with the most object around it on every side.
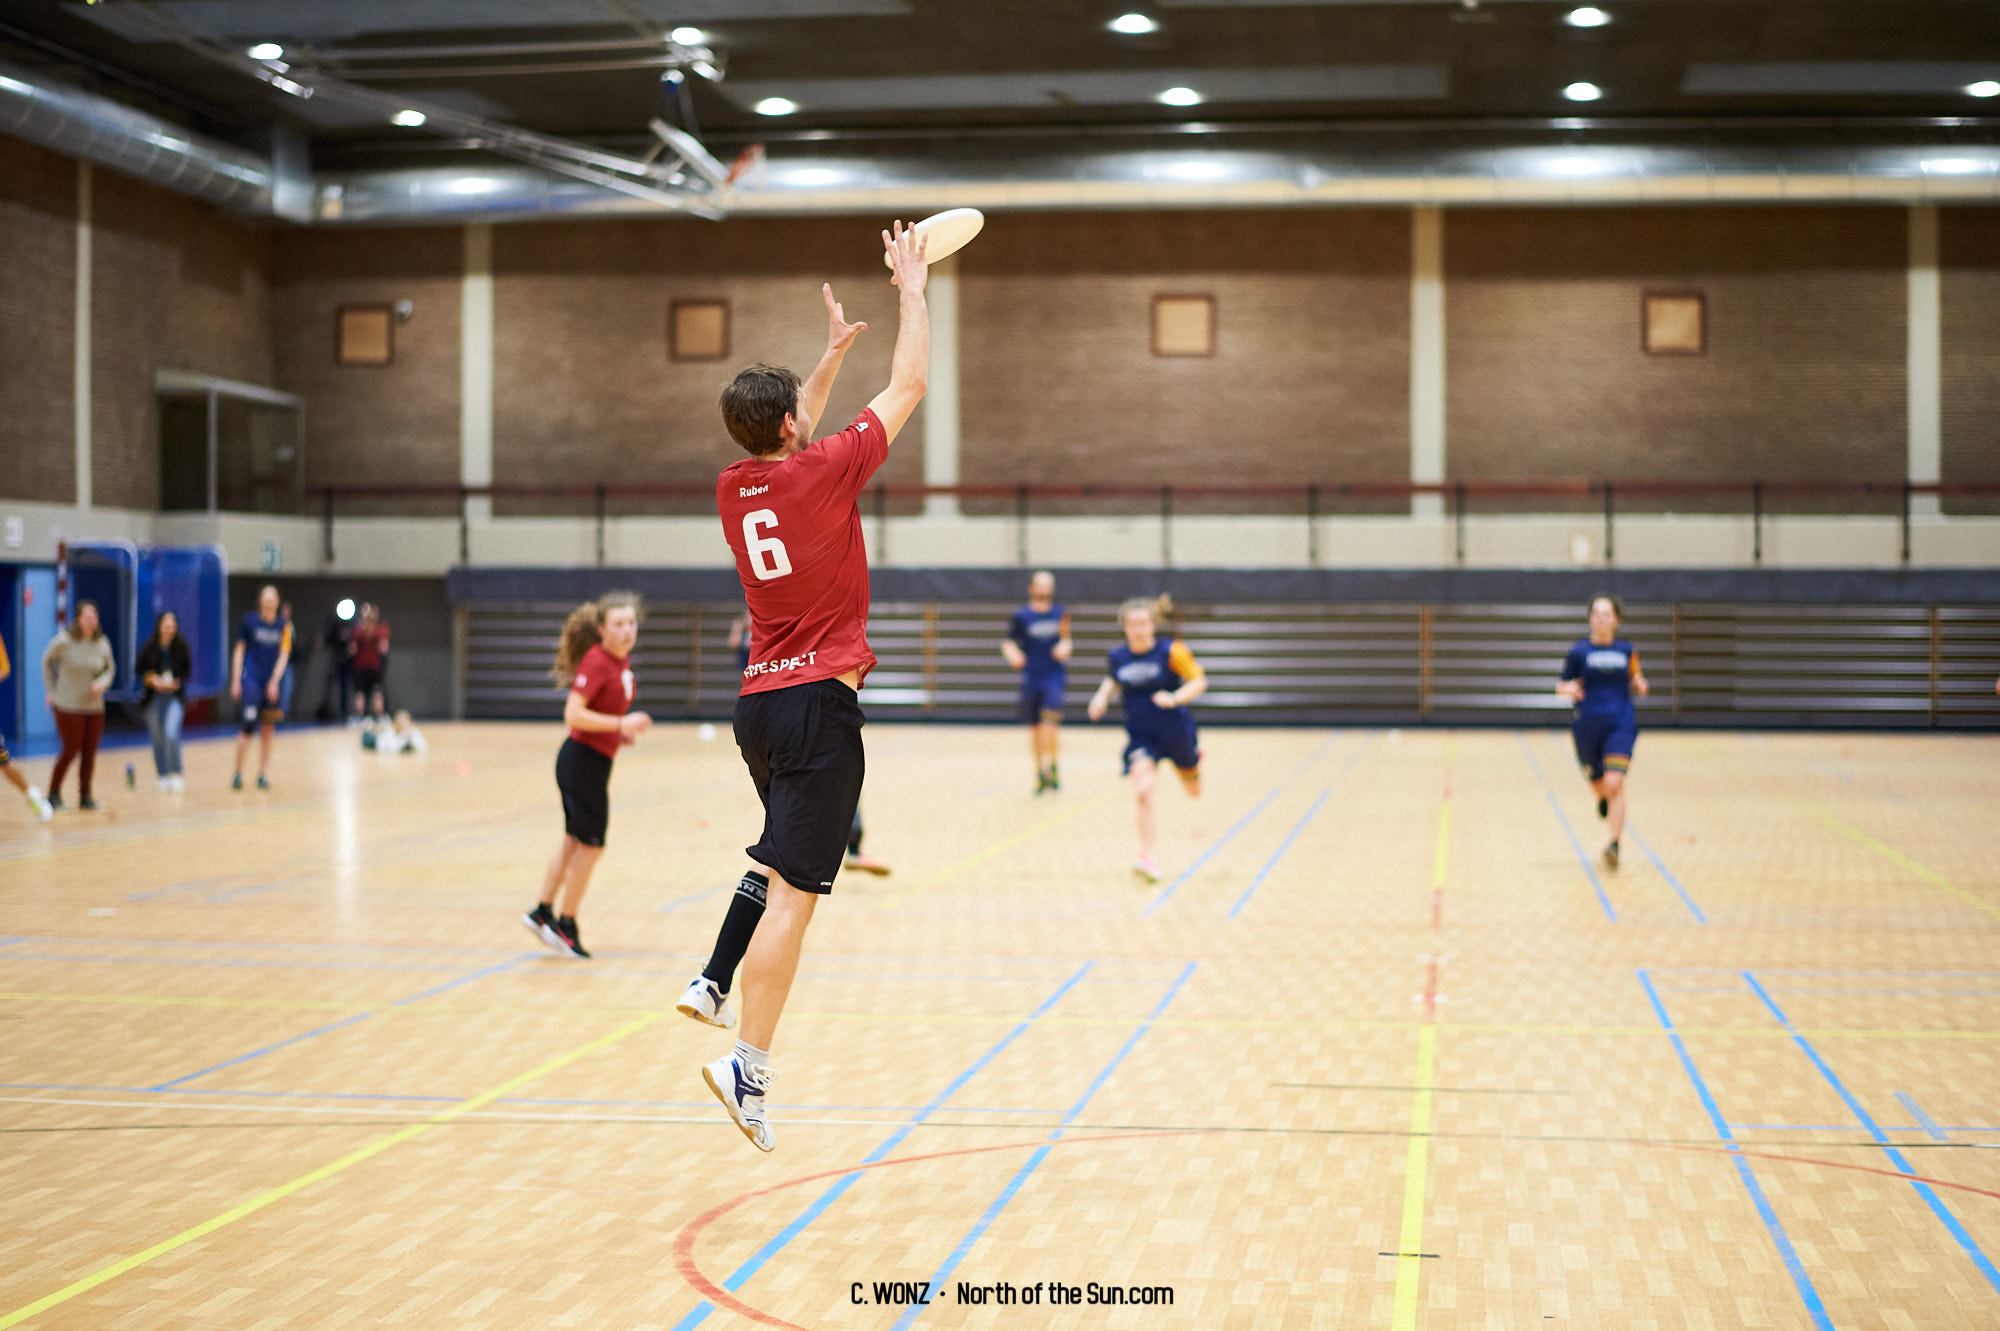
(910, 369)
(840, 335)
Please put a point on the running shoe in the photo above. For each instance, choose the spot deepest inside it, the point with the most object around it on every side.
(1146, 869)
(1041, 782)
(236, 781)
(707, 1004)
(742, 1087)
(40, 803)
(88, 803)
(541, 922)
(263, 782)
(1611, 854)
(571, 936)
(865, 864)
(1055, 778)
(55, 799)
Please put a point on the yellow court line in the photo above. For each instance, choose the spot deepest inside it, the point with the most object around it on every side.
(1409, 1264)
(957, 867)
(326, 1171)
(163, 1000)
(1902, 861)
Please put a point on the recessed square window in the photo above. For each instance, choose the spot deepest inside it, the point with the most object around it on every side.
(1183, 325)
(1674, 323)
(698, 330)
(365, 335)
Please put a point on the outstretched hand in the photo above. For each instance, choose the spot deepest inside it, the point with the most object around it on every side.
(840, 334)
(906, 257)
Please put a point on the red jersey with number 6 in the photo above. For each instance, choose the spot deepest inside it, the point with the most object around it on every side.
(796, 532)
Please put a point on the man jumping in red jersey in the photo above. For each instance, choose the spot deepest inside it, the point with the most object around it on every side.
(789, 514)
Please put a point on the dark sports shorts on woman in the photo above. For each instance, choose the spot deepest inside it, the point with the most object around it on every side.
(803, 748)
(583, 775)
(1604, 742)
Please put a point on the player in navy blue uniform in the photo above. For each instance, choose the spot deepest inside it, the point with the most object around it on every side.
(1157, 677)
(1601, 676)
(1038, 645)
(260, 682)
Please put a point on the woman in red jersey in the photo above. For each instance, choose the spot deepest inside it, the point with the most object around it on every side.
(594, 658)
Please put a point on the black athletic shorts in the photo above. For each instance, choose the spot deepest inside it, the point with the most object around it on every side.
(367, 681)
(803, 747)
(583, 775)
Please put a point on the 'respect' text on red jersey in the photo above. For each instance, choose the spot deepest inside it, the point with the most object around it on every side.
(796, 532)
(606, 684)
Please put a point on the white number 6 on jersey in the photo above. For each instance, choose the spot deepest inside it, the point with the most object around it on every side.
(768, 559)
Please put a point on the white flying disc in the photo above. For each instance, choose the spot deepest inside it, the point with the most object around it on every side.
(945, 233)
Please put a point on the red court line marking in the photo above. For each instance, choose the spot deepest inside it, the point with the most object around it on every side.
(685, 1240)
(1835, 1164)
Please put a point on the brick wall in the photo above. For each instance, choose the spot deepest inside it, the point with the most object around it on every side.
(37, 324)
(174, 285)
(1969, 256)
(1310, 377)
(396, 424)
(584, 390)
(1803, 376)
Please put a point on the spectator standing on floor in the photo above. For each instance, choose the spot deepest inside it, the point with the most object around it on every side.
(163, 666)
(370, 649)
(76, 670)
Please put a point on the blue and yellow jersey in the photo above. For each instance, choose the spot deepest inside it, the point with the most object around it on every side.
(1606, 671)
(1036, 633)
(1142, 674)
(263, 641)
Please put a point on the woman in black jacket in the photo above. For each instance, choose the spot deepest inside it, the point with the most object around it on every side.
(163, 667)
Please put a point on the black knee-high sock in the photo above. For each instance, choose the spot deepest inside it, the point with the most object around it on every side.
(745, 909)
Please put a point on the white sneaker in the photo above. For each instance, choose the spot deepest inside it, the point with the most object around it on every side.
(179, 782)
(40, 803)
(166, 784)
(1147, 870)
(705, 1003)
(742, 1087)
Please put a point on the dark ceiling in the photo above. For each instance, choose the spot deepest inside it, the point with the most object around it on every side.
(894, 69)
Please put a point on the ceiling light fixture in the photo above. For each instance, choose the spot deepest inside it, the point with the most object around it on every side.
(1953, 166)
(1583, 92)
(1984, 88)
(690, 36)
(775, 106)
(265, 51)
(1181, 97)
(1133, 25)
(1589, 16)
(407, 118)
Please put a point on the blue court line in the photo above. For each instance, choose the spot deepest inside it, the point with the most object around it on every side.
(1575, 845)
(1924, 1121)
(1286, 844)
(1924, 1190)
(777, 1242)
(979, 1228)
(1668, 874)
(1210, 853)
(481, 973)
(1279, 854)
(1800, 1280)
(1827, 970)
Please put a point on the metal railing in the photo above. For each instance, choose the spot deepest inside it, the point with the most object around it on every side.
(1310, 502)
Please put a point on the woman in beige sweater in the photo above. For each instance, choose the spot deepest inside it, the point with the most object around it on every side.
(77, 669)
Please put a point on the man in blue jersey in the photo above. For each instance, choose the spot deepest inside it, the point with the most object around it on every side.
(1037, 645)
(260, 682)
(1601, 675)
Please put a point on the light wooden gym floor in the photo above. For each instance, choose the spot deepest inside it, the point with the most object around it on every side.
(1388, 1047)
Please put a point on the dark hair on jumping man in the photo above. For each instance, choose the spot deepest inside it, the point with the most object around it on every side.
(584, 630)
(1617, 606)
(76, 621)
(755, 405)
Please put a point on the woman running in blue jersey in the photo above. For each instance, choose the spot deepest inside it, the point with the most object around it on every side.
(1601, 675)
(1157, 677)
